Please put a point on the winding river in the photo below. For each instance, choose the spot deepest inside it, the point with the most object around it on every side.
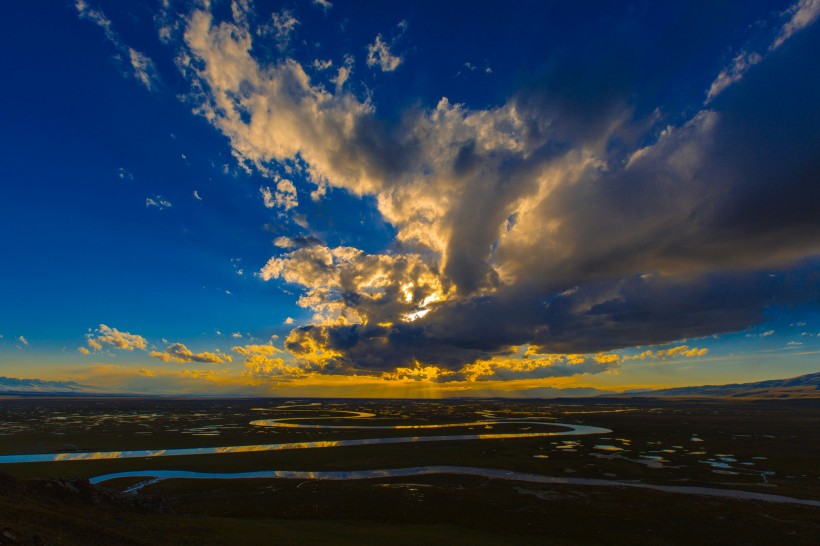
(155, 476)
(572, 430)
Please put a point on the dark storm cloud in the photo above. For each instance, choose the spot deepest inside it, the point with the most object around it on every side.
(542, 221)
(704, 212)
(636, 311)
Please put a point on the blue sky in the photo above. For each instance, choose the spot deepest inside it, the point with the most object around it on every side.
(333, 198)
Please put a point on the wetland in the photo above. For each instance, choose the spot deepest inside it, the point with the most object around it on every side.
(530, 471)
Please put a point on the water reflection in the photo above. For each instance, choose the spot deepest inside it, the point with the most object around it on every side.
(573, 430)
(157, 475)
(486, 423)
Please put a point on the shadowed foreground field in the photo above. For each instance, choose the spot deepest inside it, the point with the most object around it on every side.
(764, 447)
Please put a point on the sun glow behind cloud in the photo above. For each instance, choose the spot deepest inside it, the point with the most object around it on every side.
(437, 179)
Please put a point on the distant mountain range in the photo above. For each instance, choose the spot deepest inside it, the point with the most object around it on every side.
(804, 386)
(10, 385)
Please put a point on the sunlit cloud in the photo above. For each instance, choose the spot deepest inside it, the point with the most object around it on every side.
(105, 336)
(681, 351)
(322, 64)
(417, 373)
(379, 55)
(281, 26)
(261, 364)
(541, 366)
(265, 350)
(261, 367)
(178, 352)
(565, 214)
(499, 213)
(283, 197)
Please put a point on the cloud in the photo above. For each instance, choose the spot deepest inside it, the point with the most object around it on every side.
(542, 366)
(23, 340)
(143, 68)
(284, 198)
(674, 352)
(324, 4)
(322, 65)
(267, 197)
(124, 174)
(264, 350)
(178, 352)
(196, 196)
(286, 195)
(391, 287)
(801, 15)
(767, 333)
(282, 25)
(342, 75)
(289, 320)
(83, 351)
(261, 367)
(417, 373)
(159, 202)
(733, 73)
(298, 241)
(378, 54)
(167, 22)
(259, 363)
(561, 218)
(111, 337)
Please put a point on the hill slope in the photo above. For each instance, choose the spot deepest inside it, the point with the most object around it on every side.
(804, 386)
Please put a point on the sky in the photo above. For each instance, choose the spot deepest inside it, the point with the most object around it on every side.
(423, 199)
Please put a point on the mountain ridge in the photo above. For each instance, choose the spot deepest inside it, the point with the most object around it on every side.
(802, 386)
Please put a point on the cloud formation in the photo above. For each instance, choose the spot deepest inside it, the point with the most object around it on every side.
(158, 202)
(800, 15)
(561, 218)
(111, 337)
(324, 4)
(284, 197)
(142, 67)
(261, 364)
(177, 352)
(281, 27)
(379, 54)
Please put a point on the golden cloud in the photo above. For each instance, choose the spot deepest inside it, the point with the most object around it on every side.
(105, 335)
(178, 352)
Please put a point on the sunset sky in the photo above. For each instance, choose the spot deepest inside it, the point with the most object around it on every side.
(330, 198)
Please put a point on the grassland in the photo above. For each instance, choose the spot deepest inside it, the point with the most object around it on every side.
(763, 446)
